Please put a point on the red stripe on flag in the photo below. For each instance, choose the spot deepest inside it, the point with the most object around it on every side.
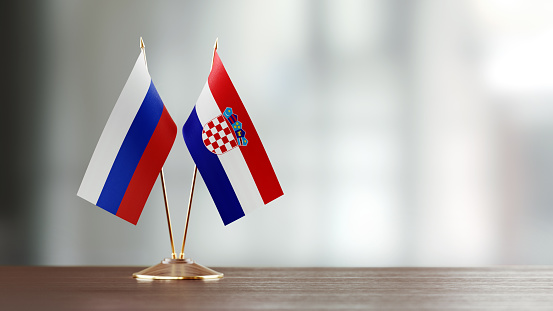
(148, 168)
(254, 153)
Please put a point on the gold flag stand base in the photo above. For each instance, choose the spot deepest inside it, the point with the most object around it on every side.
(177, 269)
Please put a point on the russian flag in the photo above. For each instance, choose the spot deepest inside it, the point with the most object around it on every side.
(242, 178)
(132, 149)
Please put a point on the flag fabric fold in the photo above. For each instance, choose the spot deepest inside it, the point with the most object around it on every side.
(132, 149)
(227, 150)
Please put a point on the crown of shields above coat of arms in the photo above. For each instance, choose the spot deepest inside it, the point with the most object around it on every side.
(220, 137)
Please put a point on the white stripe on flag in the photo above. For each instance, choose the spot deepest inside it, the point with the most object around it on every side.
(233, 161)
(114, 133)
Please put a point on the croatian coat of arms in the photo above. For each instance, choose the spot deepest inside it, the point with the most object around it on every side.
(224, 133)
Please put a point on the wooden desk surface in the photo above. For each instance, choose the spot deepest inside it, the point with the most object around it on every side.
(113, 288)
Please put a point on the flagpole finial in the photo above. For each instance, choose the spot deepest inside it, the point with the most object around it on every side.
(143, 48)
(214, 49)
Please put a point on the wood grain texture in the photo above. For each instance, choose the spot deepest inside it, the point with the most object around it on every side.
(113, 288)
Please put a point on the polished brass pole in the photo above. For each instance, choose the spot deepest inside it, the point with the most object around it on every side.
(173, 254)
(181, 255)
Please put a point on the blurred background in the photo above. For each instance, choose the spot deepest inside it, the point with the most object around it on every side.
(404, 133)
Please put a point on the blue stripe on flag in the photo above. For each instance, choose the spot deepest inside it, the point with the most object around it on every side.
(212, 171)
(132, 148)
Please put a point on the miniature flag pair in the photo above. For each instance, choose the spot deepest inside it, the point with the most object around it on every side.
(140, 133)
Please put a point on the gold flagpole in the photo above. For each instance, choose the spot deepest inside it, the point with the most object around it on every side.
(173, 254)
(181, 255)
(143, 48)
(214, 49)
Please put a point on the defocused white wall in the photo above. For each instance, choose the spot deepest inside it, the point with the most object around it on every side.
(402, 132)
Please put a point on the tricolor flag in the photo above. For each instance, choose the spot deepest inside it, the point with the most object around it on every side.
(227, 150)
(132, 148)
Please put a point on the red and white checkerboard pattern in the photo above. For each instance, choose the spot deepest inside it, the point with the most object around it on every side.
(217, 136)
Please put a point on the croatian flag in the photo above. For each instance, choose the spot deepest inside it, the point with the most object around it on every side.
(227, 150)
(132, 149)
